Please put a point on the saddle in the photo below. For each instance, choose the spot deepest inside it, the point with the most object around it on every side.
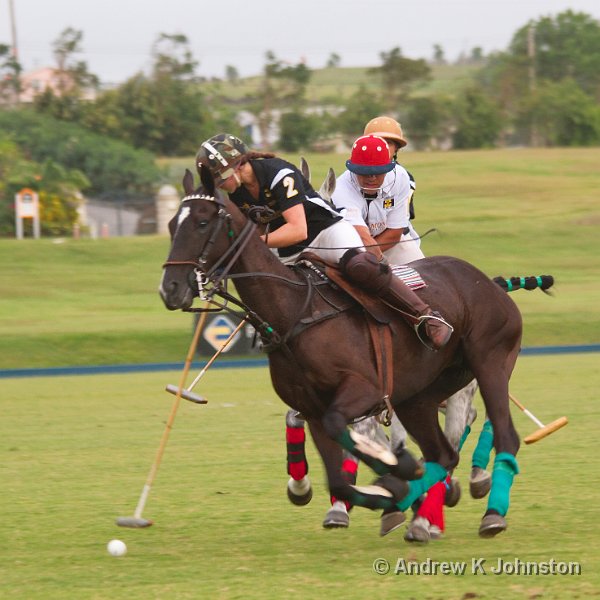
(373, 306)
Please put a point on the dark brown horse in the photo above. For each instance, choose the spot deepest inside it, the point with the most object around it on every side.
(322, 358)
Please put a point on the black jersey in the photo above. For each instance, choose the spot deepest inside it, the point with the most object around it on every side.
(281, 186)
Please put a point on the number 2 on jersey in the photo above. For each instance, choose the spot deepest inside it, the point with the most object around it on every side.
(288, 182)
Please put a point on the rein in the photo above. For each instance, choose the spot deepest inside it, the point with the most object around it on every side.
(220, 271)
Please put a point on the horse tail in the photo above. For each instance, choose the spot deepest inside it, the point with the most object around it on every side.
(544, 282)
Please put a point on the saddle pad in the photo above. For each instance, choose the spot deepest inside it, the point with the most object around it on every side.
(409, 276)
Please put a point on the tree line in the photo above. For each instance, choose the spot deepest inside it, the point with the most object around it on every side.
(543, 90)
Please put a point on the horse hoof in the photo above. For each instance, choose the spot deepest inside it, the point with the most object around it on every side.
(492, 525)
(479, 483)
(453, 493)
(390, 521)
(337, 517)
(299, 492)
(418, 531)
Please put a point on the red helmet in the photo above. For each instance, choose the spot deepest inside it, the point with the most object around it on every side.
(370, 156)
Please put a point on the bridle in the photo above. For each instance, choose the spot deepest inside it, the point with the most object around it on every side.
(222, 220)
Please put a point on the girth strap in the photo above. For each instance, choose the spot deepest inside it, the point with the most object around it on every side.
(381, 338)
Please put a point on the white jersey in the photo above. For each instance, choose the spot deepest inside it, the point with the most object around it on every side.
(388, 210)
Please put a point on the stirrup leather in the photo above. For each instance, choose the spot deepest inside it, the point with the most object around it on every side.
(420, 324)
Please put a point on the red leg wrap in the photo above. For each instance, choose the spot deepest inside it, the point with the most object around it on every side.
(349, 471)
(297, 465)
(432, 508)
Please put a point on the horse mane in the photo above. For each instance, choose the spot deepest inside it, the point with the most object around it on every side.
(253, 154)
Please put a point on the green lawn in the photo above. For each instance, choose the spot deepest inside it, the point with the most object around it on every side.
(75, 453)
(510, 212)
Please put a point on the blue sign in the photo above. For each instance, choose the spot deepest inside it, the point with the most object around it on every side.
(217, 332)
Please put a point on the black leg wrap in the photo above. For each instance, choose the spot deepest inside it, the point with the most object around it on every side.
(408, 466)
(396, 486)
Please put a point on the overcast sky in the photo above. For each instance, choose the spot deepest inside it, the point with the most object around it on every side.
(118, 34)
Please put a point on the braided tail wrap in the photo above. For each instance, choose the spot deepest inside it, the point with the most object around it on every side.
(532, 282)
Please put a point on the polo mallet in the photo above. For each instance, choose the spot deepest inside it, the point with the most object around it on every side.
(543, 430)
(137, 521)
(187, 393)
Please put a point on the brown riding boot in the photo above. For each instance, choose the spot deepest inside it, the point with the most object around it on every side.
(363, 269)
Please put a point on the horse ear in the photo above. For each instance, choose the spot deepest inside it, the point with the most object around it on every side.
(304, 168)
(328, 186)
(208, 181)
(188, 183)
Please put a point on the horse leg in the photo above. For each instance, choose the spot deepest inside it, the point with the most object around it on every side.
(331, 454)
(421, 420)
(460, 415)
(480, 480)
(494, 390)
(355, 396)
(393, 518)
(337, 515)
(299, 489)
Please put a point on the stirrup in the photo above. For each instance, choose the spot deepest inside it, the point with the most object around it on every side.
(422, 320)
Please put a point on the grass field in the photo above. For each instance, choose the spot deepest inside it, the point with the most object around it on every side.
(75, 453)
(510, 212)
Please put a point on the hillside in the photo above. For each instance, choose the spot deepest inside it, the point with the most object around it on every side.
(333, 85)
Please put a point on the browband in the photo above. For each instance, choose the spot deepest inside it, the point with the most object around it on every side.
(199, 197)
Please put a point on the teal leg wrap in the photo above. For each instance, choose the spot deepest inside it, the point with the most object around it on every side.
(481, 454)
(434, 472)
(346, 441)
(505, 468)
(464, 437)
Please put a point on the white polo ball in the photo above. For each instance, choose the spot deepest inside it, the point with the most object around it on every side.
(116, 548)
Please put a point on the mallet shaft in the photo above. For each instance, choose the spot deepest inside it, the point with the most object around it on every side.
(530, 415)
(543, 430)
(137, 520)
(186, 393)
(217, 353)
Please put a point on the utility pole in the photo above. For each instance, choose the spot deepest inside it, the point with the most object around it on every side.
(15, 53)
(531, 55)
(13, 29)
(532, 83)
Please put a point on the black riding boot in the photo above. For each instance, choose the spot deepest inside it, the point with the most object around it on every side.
(363, 269)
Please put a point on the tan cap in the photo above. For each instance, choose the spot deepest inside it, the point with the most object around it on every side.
(387, 128)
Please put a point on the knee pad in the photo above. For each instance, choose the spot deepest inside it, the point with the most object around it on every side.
(363, 269)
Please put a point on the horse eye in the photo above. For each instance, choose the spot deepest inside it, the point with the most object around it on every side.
(203, 224)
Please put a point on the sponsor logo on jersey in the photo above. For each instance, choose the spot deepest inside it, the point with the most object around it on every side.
(388, 203)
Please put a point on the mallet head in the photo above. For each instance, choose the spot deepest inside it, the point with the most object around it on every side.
(186, 394)
(133, 522)
(546, 430)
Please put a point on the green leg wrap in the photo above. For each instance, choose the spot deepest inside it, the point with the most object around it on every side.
(464, 437)
(434, 472)
(481, 454)
(346, 441)
(505, 468)
(371, 501)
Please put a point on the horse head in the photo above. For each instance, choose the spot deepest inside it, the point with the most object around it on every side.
(200, 233)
